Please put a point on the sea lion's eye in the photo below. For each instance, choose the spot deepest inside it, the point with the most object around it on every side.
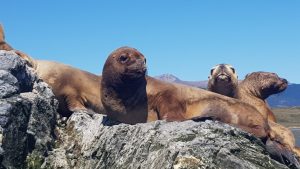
(123, 58)
(211, 71)
(233, 70)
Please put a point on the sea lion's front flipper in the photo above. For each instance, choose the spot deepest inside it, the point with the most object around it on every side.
(282, 154)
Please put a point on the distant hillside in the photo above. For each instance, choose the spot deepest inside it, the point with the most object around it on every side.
(289, 98)
(173, 79)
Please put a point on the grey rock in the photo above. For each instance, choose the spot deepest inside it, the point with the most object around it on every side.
(8, 84)
(87, 143)
(16, 66)
(27, 115)
(31, 136)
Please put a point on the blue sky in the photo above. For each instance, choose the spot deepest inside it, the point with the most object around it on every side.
(182, 37)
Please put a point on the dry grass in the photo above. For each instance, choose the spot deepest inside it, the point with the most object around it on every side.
(289, 117)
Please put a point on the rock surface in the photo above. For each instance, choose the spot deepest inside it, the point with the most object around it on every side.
(27, 115)
(30, 137)
(88, 142)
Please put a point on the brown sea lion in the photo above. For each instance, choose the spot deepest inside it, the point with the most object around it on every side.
(257, 87)
(254, 90)
(223, 80)
(75, 89)
(130, 96)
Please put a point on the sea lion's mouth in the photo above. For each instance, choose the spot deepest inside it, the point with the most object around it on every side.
(223, 78)
(283, 85)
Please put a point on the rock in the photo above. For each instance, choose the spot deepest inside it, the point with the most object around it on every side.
(27, 115)
(87, 143)
(12, 63)
(8, 84)
(31, 136)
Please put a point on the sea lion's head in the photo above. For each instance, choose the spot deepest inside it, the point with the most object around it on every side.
(265, 84)
(223, 73)
(125, 65)
(223, 79)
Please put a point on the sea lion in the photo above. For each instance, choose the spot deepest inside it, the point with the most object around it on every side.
(3, 44)
(257, 87)
(130, 96)
(223, 80)
(75, 89)
(254, 90)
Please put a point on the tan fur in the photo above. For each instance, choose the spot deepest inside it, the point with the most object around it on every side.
(254, 90)
(134, 98)
(257, 87)
(2, 37)
(3, 44)
(75, 89)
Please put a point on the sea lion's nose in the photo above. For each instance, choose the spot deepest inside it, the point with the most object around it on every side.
(223, 77)
(284, 80)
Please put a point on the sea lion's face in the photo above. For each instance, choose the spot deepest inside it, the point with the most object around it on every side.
(267, 83)
(127, 62)
(223, 73)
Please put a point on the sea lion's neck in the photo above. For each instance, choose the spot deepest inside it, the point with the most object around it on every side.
(246, 89)
(249, 94)
(126, 90)
(126, 102)
(227, 89)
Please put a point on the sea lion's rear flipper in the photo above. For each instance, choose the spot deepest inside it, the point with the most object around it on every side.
(282, 154)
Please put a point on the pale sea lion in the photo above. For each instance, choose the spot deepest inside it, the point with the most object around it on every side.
(75, 89)
(130, 96)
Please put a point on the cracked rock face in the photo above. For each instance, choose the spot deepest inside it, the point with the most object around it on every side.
(88, 143)
(31, 138)
(27, 115)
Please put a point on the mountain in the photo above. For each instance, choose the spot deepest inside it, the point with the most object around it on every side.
(289, 98)
(173, 79)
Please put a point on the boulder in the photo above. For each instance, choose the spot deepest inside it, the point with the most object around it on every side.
(31, 135)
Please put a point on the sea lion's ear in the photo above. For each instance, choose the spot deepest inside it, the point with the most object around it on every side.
(2, 37)
(247, 75)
